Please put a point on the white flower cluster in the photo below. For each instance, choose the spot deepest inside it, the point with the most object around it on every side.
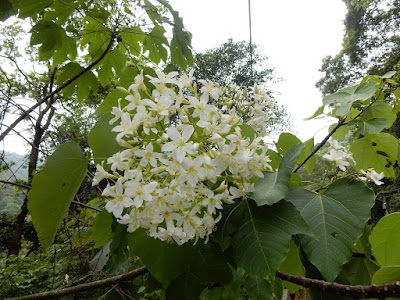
(340, 157)
(186, 155)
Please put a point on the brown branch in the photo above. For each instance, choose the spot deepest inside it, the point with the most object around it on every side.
(86, 287)
(319, 146)
(15, 183)
(357, 291)
(66, 83)
(85, 205)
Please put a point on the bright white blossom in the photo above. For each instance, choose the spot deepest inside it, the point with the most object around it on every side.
(176, 174)
(372, 176)
(340, 157)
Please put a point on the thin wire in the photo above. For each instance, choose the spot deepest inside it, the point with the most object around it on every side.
(251, 47)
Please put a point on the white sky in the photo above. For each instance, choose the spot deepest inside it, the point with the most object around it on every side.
(294, 34)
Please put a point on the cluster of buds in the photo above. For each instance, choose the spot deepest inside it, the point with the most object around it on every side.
(186, 155)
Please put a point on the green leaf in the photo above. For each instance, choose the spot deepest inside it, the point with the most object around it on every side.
(308, 148)
(318, 112)
(337, 218)
(7, 10)
(275, 159)
(248, 132)
(53, 189)
(232, 291)
(96, 36)
(111, 101)
(285, 142)
(386, 274)
(275, 186)
(385, 240)
(114, 60)
(29, 8)
(101, 230)
(133, 39)
(374, 125)
(60, 11)
(359, 271)
(53, 41)
(257, 288)
(212, 294)
(347, 96)
(210, 266)
(154, 43)
(380, 109)
(340, 133)
(82, 86)
(184, 287)
(378, 151)
(292, 265)
(262, 242)
(102, 140)
(165, 261)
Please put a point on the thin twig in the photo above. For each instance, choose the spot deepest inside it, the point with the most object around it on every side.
(319, 146)
(66, 83)
(86, 287)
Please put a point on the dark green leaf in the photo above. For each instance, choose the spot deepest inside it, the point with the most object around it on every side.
(184, 287)
(359, 271)
(82, 86)
(102, 140)
(53, 189)
(337, 218)
(212, 294)
(111, 101)
(6, 10)
(101, 230)
(60, 11)
(274, 186)
(165, 261)
(29, 8)
(262, 243)
(258, 288)
(292, 265)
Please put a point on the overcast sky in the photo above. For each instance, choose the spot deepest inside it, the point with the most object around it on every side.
(294, 34)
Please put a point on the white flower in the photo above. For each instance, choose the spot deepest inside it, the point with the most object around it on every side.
(339, 158)
(140, 192)
(372, 176)
(187, 79)
(148, 156)
(179, 145)
(100, 174)
(209, 88)
(119, 200)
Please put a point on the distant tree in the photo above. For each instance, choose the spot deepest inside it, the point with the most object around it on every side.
(371, 44)
(232, 64)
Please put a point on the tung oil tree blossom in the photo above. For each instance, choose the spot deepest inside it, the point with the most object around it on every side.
(176, 174)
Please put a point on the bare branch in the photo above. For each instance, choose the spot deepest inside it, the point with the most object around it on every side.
(86, 287)
(49, 96)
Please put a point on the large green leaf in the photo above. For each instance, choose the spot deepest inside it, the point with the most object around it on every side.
(82, 85)
(385, 240)
(155, 43)
(7, 10)
(275, 185)
(53, 189)
(165, 261)
(210, 266)
(111, 101)
(262, 243)
(308, 148)
(337, 218)
(292, 265)
(285, 142)
(347, 96)
(257, 288)
(374, 125)
(378, 151)
(60, 11)
(102, 140)
(29, 8)
(359, 271)
(114, 60)
(380, 109)
(386, 274)
(53, 41)
(185, 287)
